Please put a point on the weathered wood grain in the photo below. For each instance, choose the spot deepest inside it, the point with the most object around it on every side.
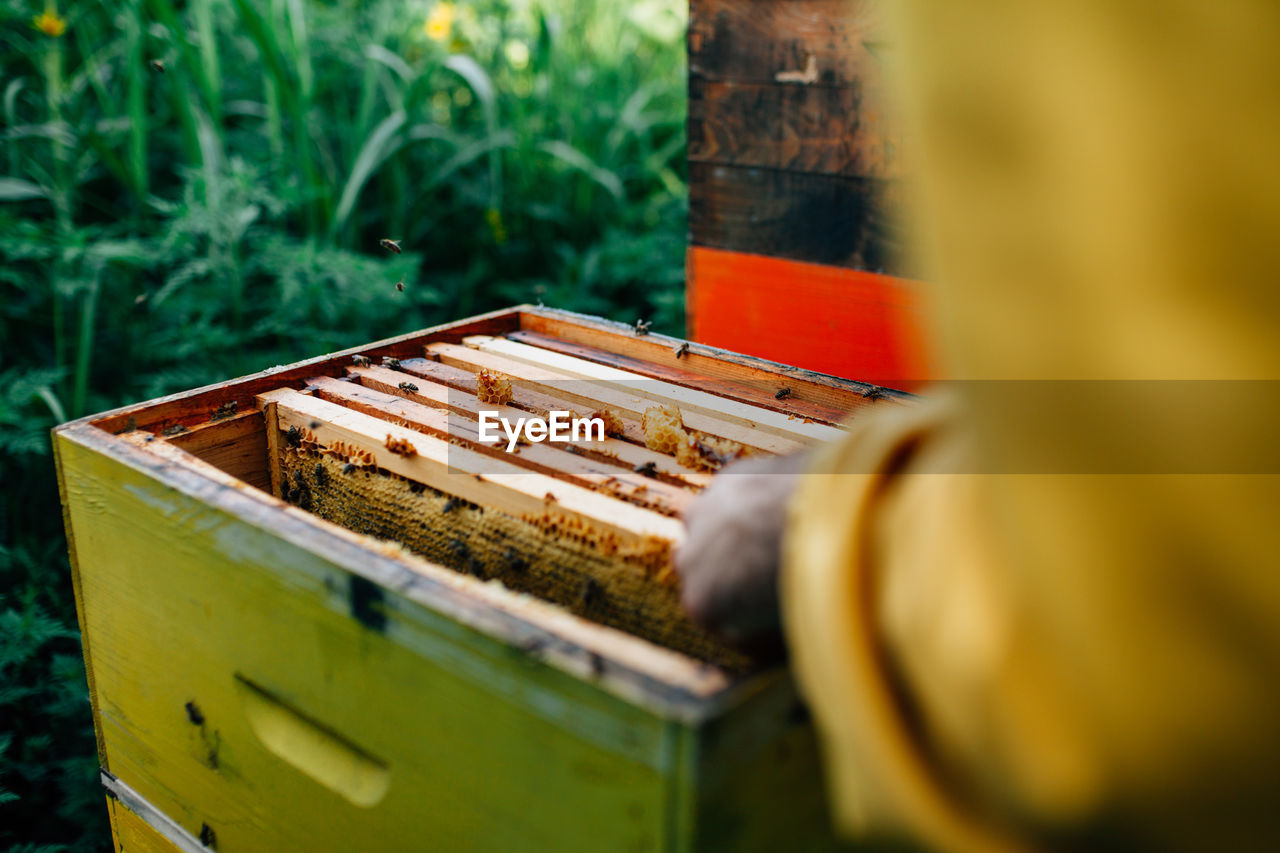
(842, 395)
(466, 473)
(198, 406)
(464, 380)
(760, 394)
(794, 149)
(688, 399)
(752, 41)
(629, 452)
(237, 445)
(833, 220)
(818, 129)
(594, 395)
(397, 406)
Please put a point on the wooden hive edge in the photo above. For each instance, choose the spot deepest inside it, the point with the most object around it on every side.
(664, 682)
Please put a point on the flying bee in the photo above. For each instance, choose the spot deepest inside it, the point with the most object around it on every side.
(408, 386)
(390, 245)
(680, 349)
(642, 328)
(400, 285)
(157, 65)
(783, 393)
(360, 360)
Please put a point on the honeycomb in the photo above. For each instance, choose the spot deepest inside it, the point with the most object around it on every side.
(493, 388)
(708, 452)
(663, 429)
(400, 446)
(628, 585)
(612, 423)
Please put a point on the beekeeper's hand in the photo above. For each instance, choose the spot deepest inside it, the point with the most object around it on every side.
(729, 561)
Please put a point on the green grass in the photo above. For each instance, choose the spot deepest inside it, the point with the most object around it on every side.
(193, 191)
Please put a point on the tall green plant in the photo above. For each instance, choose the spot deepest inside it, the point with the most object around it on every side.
(195, 190)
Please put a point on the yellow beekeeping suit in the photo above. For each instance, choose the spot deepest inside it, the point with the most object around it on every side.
(1043, 613)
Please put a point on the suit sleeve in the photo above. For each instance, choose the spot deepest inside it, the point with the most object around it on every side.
(1043, 608)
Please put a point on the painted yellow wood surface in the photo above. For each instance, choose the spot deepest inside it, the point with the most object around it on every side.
(132, 834)
(483, 749)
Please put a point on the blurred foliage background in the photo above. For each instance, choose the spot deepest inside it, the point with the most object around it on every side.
(195, 191)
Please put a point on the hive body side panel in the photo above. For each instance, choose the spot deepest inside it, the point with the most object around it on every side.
(73, 558)
(132, 834)
(758, 779)
(249, 685)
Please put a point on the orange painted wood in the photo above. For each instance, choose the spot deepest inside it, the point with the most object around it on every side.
(836, 320)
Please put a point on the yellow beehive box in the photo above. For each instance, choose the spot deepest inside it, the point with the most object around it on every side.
(278, 663)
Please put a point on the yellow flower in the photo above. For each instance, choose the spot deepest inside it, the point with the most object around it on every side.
(440, 22)
(50, 23)
(494, 217)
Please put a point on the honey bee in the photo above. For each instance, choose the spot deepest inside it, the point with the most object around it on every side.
(391, 363)
(176, 429)
(648, 469)
(157, 65)
(208, 837)
(590, 593)
(322, 475)
(293, 437)
(348, 468)
(873, 393)
(642, 328)
(515, 562)
(680, 349)
(408, 386)
(390, 245)
(193, 714)
(360, 360)
(450, 505)
(783, 393)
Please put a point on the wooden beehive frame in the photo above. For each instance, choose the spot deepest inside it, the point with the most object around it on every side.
(213, 442)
